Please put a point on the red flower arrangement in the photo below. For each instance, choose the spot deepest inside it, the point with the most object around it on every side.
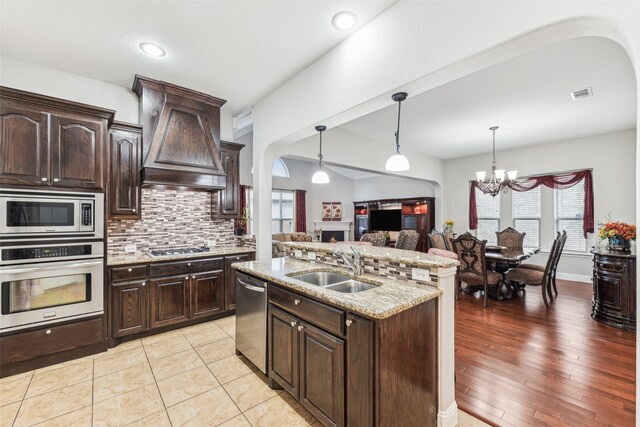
(617, 229)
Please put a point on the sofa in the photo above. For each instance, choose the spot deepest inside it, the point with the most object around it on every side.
(277, 248)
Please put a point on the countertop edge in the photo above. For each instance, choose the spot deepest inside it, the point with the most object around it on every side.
(146, 259)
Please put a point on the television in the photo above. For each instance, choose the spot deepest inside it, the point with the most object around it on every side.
(386, 220)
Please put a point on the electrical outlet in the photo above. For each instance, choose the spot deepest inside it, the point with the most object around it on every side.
(297, 253)
(211, 243)
(420, 274)
(130, 249)
(311, 256)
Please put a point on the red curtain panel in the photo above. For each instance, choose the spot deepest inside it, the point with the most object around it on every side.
(560, 181)
(301, 211)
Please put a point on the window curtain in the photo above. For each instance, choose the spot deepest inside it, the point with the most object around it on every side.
(301, 210)
(559, 181)
(243, 206)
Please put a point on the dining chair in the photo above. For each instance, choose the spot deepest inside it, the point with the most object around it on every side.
(544, 278)
(407, 240)
(437, 240)
(473, 267)
(556, 252)
(448, 236)
(510, 238)
(376, 239)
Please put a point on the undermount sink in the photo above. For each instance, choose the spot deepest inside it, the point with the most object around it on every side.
(333, 281)
(322, 278)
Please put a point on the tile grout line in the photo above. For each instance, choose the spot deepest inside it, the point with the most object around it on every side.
(22, 400)
(155, 381)
(93, 384)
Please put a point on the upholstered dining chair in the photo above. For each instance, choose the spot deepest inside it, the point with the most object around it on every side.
(376, 239)
(510, 238)
(448, 237)
(437, 240)
(556, 251)
(542, 278)
(473, 267)
(407, 240)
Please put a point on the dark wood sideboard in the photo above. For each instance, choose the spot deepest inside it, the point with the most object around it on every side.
(614, 288)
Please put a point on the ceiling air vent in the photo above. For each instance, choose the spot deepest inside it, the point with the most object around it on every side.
(582, 93)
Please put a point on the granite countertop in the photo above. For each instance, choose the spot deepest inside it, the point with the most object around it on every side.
(143, 258)
(419, 259)
(390, 297)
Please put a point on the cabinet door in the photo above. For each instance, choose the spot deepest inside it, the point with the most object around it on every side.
(283, 350)
(129, 305)
(24, 146)
(169, 300)
(322, 375)
(207, 293)
(124, 173)
(360, 369)
(230, 279)
(77, 155)
(229, 198)
(608, 291)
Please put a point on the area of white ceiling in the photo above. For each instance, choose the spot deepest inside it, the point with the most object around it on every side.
(528, 97)
(235, 50)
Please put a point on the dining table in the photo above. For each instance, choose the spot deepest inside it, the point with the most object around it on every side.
(502, 259)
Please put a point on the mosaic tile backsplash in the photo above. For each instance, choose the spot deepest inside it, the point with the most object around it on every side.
(177, 219)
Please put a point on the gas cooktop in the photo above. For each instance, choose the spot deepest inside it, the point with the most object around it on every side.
(181, 251)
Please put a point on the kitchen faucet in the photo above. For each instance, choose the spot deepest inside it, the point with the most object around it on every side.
(355, 264)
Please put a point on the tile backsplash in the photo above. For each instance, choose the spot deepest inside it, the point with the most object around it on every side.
(176, 219)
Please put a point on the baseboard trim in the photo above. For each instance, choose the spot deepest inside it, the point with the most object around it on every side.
(448, 418)
(574, 277)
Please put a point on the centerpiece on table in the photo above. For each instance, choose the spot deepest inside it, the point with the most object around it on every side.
(619, 235)
(448, 225)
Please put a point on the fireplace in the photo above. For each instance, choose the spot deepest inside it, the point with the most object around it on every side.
(328, 234)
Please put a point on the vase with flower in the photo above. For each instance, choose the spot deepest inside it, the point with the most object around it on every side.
(619, 235)
(448, 225)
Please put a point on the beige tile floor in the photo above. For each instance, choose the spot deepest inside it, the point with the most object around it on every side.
(188, 377)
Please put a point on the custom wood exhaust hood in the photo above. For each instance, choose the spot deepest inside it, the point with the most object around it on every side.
(181, 136)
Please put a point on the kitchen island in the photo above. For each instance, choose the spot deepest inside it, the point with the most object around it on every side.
(375, 357)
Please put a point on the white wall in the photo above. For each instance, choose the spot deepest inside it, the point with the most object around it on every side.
(49, 81)
(246, 159)
(390, 187)
(611, 156)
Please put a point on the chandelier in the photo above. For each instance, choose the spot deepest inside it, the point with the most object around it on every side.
(499, 180)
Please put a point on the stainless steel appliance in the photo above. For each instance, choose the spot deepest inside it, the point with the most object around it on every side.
(36, 214)
(49, 283)
(251, 319)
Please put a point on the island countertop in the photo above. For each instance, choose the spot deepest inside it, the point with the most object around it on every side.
(390, 297)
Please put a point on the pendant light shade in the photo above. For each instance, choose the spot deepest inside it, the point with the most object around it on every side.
(320, 177)
(397, 162)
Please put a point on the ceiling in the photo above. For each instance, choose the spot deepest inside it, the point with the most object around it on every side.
(351, 173)
(528, 97)
(235, 50)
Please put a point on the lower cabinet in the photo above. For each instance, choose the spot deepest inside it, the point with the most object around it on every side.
(169, 300)
(207, 293)
(129, 307)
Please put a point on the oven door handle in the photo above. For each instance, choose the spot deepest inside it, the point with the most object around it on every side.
(28, 270)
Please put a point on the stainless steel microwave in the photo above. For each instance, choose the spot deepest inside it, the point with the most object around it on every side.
(37, 214)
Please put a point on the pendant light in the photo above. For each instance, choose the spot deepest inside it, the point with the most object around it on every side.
(398, 162)
(320, 177)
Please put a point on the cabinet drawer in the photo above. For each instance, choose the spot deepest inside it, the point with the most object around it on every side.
(50, 340)
(186, 267)
(328, 318)
(611, 267)
(131, 272)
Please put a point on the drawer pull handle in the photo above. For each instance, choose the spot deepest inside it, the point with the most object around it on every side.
(48, 332)
(188, 264)
(300, 327)
(55, 180)
(348, 322)
(296, 302)
(293, 324)
(134, 211)
(43, 179)
(129, 270)
(144, 283)
(187, 277)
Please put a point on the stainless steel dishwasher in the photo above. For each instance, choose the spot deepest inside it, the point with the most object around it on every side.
(251, 319)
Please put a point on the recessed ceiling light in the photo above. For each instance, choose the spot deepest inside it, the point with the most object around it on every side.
(344, 20)
(152, 49)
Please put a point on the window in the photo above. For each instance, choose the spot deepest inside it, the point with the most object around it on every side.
(488, 217)
(280, 168)
(569, 210)
(526, 215)
(282, 211)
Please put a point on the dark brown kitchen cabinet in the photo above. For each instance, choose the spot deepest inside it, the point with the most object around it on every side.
(207, 293)
(129, 308)
(125, 148)
(47, 141)
(230, 278)
(614, 289)
(24, 145)
(283, 350)
(229, 198)
(169, 300)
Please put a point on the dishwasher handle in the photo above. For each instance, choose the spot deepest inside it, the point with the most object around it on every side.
(250, 287)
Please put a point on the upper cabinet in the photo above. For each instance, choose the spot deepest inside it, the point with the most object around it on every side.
(46, 141)
(125, 148)
(229, 198)
(181, 137)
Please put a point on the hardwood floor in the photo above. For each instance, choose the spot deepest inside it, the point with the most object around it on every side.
(520, 364)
